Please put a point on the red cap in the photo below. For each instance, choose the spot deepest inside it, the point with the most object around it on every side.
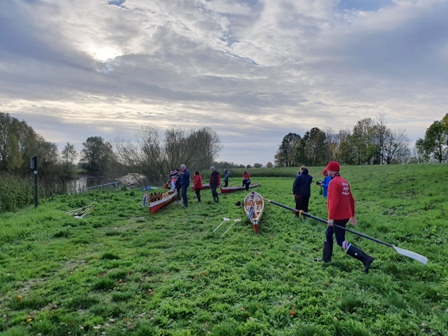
(333, 166)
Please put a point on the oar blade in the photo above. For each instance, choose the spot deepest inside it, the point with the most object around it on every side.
(411, 254)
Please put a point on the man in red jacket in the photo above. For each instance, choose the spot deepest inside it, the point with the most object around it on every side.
(341, 209)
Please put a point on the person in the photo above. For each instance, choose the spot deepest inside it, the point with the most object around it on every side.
(215, 182)
(197, 183)
(174, 175)
(246, 180)
(301, 189)
(324, 183)
(184, 177)
(226, 177)
(341, 209)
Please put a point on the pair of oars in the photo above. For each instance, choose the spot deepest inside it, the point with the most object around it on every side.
(401, 251)
(81, 212)
(226, 220)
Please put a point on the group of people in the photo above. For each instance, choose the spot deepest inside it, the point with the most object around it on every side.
(180, 180)
(340, 202)
(340, 206)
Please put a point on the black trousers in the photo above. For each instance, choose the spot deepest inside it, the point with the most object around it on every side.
(339, 233)
(302, 203)
(198, 194)
(214, 192)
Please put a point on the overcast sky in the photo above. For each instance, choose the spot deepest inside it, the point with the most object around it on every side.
(253, 70)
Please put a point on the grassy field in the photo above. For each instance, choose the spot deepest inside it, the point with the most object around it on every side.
(122, 271)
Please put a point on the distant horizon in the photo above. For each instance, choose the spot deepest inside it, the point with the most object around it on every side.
(79, 145)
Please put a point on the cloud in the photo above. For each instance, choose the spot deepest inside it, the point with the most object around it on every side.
(248, 69)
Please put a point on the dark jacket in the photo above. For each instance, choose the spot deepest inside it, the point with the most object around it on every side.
(185, 178)
(302, 184)
(215, 179)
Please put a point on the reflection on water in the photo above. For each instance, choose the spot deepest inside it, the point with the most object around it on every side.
(83, 182)
(77, 185)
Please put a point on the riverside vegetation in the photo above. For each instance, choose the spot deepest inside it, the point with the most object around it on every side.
(120, 270)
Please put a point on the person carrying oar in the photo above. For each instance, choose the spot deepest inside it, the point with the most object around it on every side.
(341, 209)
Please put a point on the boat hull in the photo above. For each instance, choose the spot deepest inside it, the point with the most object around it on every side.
(226, 190)
(254, 208)
(204, 186)
(157, 205)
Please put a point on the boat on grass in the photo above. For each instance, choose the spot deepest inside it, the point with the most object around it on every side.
(254, 207)
(158, 200)
(204, 186)
(226, 190)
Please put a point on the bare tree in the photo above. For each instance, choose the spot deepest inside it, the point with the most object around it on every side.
(154, 158)
(395, 146)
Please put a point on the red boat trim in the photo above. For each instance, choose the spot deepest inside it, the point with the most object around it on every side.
(156, 206)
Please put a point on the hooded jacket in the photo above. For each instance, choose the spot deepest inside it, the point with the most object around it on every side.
(302, 184)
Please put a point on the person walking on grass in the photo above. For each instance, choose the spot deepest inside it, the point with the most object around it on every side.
(246, 180)
(184, 177)
(226, 177)
(341, 209)
(301, 189)
(197, 183)
(215, 182)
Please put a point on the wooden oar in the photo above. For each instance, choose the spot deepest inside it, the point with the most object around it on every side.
(401, 251)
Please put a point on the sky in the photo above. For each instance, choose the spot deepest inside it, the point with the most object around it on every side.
(252, 70)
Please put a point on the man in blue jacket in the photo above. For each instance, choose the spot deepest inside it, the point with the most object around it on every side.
(184, 177)
(302, 189)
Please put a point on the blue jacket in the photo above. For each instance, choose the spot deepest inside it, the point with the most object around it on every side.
(226, 175)
(185, 178)
(302, 184)
(326, 181)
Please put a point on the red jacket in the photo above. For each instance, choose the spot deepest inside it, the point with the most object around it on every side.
(246, 176)
(341, 204)
(197, 182)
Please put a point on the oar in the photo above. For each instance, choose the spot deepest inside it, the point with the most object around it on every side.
(89, 208)
(401, 251)
(234, 222)
(223, 220)
(77, 210)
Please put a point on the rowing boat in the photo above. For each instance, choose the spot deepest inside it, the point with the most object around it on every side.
(226, 190)
(204, 186)
(158, 201)
(254, 207)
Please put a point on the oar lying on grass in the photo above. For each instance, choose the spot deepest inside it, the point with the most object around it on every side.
(223, 220)
(81, 212)
(234, 222)
(401, 251)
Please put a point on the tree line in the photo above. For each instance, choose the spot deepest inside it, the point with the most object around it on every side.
(151, 155)
(434, 146)
(369, 142)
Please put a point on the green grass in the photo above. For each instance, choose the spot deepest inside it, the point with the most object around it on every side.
(120, 270)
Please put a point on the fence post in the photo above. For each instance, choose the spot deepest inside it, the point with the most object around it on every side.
(33, 164)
